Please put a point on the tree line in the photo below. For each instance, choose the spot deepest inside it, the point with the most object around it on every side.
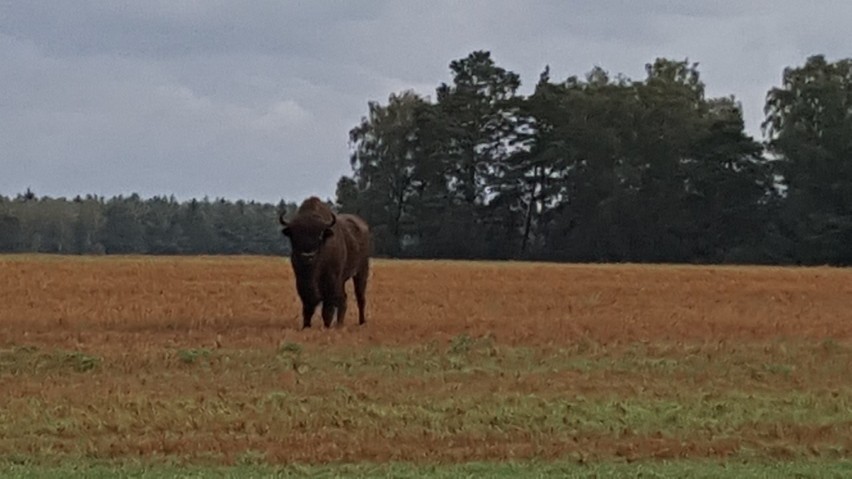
(132, 225)
(605, 168)
(598, 168)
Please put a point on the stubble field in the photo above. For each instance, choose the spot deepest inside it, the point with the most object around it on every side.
(198, 365)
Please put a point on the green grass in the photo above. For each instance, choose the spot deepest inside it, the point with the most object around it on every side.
(770, 401)
(29, 360)
(676, 469)
(190, 356)
(341, 409)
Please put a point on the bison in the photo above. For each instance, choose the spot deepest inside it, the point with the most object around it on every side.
(327, 249)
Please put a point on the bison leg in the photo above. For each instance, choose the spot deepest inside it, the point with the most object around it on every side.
(328, 306)
(341, 308)
(334, 294)
(360, 281)
(308, 309)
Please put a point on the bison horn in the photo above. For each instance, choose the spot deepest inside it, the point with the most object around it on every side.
(282, 220)
(333, 220)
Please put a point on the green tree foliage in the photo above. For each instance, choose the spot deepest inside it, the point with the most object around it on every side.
(11, 235)
(809, 120)
(586, 169)
(131, 225)
(123, 232)
(385, 150)
(464, 139)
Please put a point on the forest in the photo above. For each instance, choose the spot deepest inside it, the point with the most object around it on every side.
(592, 168)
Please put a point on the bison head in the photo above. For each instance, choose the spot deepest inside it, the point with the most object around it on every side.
(307, 234)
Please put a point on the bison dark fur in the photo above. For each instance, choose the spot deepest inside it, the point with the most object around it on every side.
(328, 249)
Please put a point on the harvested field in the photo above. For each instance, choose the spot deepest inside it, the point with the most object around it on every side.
(201, 360)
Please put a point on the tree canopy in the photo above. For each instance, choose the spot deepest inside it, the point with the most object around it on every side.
(601, 168)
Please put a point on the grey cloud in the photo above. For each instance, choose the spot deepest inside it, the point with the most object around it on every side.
(255, 99)
(163, 29)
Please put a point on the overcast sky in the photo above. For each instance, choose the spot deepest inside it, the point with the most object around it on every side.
(254, 99)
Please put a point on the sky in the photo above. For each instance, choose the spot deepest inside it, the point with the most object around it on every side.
(254, 100)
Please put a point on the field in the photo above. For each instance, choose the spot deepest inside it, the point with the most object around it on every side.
(197, 366)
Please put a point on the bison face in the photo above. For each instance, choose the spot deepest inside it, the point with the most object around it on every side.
(307, 236)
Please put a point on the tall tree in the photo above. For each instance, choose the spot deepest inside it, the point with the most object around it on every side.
(197, 228)
(122, 232)
(477, 114)
(87, 224)
(385, 151)
(809, 122)
(463, 138)
(578, 145)
(730, 188)
(161, 225)
(11, 234)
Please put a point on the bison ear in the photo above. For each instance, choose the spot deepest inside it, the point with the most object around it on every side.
(285, 231)
(327, 233)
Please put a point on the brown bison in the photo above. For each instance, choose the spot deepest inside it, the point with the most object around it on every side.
(327, 250)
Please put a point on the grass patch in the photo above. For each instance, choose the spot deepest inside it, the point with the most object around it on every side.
(365, 414)
(191, 356)
(290, 348)
(29, 360)
(675, 469)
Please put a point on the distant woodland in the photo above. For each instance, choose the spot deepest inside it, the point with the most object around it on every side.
(597, 168)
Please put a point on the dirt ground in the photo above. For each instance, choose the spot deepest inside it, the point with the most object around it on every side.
(249, 300)
(203, 358)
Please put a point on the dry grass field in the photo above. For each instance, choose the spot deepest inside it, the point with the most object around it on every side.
(201, 362)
